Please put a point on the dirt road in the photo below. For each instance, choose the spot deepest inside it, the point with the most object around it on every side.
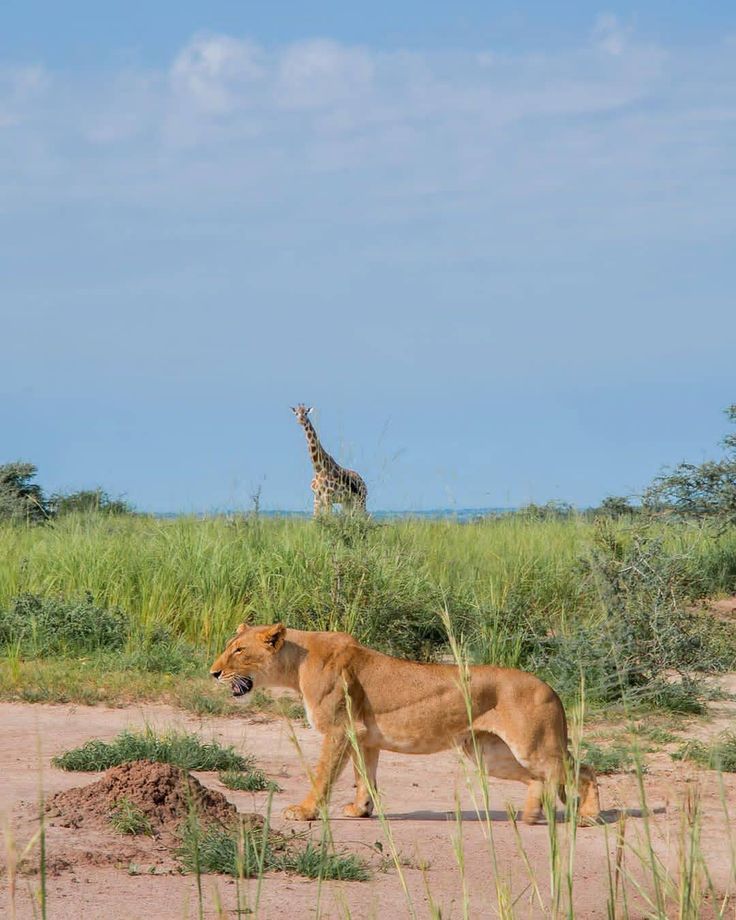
(421, 797)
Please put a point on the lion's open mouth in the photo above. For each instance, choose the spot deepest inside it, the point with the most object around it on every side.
(241, 685)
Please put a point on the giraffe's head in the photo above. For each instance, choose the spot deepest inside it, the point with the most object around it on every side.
(301, 412)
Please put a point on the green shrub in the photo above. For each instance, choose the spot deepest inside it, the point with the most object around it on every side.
(655, 733)
(552, 510)
(42, 626)
(646, 632)
(181, 748)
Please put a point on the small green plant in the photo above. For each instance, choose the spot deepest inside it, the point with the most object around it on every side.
(127, 818)
(181, 748)
(719, 755)
(615, 758)
(252, 780)
(656, 734)
(255, 850)
(318, 862)
(215, 849)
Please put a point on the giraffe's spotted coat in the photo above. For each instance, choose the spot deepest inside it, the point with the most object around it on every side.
(332, 483)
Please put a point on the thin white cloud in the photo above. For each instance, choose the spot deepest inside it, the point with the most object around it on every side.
(321, 73)
(404, 132)
(609, 35)
(20, 87)
(215, 73)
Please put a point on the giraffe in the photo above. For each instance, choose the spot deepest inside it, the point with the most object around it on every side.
(332, 483)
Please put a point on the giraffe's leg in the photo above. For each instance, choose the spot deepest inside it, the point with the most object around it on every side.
(321, 502)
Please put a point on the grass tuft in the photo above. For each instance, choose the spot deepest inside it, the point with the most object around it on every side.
(181, 748)
(249, 853)
(317, 862)
(614, 758)
(127, 818)
(719, 755)
(252, 780)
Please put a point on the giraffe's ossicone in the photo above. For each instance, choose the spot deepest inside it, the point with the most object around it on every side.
(332, 483)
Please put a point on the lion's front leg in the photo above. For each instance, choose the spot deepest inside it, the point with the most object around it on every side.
(331, 761)
(365, 765)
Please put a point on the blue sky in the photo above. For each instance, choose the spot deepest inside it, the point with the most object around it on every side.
(492, 243)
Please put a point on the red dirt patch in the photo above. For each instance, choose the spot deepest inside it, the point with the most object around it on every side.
(92, 876)
(726, 607)
(165, 794)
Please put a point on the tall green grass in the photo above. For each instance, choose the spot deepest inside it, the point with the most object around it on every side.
(513, 587)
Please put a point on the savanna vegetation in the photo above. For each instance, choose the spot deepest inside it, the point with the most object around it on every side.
(121, 605)
(98, 603)
(117, 604)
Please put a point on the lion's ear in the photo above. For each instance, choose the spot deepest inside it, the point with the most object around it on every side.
(241, 629)
(274, 636)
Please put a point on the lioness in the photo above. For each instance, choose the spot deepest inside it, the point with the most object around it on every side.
(514, 720)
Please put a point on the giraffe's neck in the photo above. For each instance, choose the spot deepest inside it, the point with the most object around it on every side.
(321, 460)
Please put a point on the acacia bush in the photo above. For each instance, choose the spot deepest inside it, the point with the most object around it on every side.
(20, 498)
(645, 633)
(705, 490)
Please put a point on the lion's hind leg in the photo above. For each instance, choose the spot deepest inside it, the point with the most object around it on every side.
(589, 797)
(498, 760)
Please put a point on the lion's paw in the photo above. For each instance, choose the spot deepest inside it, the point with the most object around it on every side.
(590, 820)
(357, 811)
(299, 813)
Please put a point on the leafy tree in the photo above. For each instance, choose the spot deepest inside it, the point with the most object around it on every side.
(88, 501)
(706, 490)
(20, 498)
(615, 506)
(551, 510)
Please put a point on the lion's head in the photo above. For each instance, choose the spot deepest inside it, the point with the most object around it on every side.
(248, 656)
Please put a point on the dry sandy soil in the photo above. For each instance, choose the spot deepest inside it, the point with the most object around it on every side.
(89, 869)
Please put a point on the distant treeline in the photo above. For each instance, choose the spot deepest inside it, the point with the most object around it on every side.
(22, 499)
(699, 491)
